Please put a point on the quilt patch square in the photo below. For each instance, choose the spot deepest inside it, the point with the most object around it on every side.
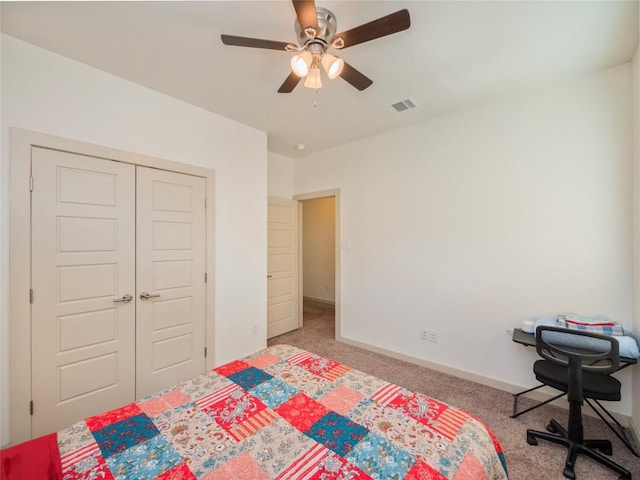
(341, 400)
(98, 422)
(231, 367)
(471, 469)
(157, 405)
(240, 414)
(320, 366)
(274, 392)
(381, 459)
(265, 360)
(198, 439)
(181, 472)
(319, 463)
(337, 433)
(84, 464)
(249, 377)
(124, 434)
(242, 467)
(422, 471)
(276, 445)
(147, 460)
(302, 411)
(427, 411)
(418, 439)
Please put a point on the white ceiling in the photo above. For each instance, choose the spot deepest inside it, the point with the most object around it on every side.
(456, 54)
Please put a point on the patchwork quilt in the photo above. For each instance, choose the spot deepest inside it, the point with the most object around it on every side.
(282, 413)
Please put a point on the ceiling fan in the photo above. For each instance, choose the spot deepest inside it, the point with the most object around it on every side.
(316, 31)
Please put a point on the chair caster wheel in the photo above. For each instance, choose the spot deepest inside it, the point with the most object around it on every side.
(531, 440)
(569, 473)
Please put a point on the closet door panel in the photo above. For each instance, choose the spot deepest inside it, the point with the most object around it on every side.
(83, 259)
(171, 309)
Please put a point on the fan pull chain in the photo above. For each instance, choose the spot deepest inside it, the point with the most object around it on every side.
(315, 100)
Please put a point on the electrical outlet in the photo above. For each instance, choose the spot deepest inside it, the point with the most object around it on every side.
(424, 334)
(254, 329)
(433, 336)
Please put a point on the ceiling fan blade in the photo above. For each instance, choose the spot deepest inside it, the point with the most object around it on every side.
(253, 42)
(306, 12)
(354, 77)
(392, 23)
(289, 84)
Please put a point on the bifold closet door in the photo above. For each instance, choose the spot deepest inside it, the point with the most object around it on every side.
(83, 282)
(118, 284)
(170, 296)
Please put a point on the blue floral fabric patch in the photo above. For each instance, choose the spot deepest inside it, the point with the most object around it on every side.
(249, 377)
(380, 458)
(124, 434)
(337, 433)
(144, 461)
(274, 392)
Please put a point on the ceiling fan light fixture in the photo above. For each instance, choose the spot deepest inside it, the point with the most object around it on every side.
(332, 65)
(300, 64)
(313, 79)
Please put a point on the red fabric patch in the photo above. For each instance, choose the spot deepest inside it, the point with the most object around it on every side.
(181, 472)
(99, 422)
(240, 414)
(422, 471)
(231, 368)
(419, 407)
(37, 458)
(302, 411)
(324, 368)
(86, 463)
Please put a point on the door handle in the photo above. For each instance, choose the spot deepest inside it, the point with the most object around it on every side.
(145, 295)
(125, 299)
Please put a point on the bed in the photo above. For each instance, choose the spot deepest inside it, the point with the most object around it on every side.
(281, 413)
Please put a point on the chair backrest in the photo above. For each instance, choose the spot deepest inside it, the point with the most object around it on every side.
(579, 351)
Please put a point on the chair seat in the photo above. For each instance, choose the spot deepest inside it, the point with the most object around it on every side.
(595, 385)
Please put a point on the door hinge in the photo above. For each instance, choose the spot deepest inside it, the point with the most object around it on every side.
(31, 184)
(31, 407)
(205, 203)
(205, 352)
(31, 295)
(205, 277)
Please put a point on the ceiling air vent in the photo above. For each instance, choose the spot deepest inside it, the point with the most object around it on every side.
(404, 105)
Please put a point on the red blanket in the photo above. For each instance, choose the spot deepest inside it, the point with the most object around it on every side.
(36, 459)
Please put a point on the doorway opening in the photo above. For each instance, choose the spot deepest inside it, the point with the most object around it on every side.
(319, 291)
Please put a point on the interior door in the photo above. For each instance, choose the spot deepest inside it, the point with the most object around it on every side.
(282, 266)
(170, 296)
(83, 279)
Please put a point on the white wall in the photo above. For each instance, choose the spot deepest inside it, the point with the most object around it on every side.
(48, 93)
(279, 175)
(318, 249)
(471, 223)
(635, 82)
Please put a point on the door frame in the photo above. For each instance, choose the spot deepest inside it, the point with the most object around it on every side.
(22, 142)
(335, 192)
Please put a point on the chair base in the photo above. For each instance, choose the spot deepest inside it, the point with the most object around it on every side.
(558, 434)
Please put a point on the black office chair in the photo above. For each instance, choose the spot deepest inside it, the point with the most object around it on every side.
(582, 374)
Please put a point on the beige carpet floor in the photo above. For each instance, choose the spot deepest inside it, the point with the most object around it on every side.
(492, 406)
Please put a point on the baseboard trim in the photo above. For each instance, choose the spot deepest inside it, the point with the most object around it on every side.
(319, 300)
(481, 379)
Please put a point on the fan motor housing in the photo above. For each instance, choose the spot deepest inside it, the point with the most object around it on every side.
(327, 28)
